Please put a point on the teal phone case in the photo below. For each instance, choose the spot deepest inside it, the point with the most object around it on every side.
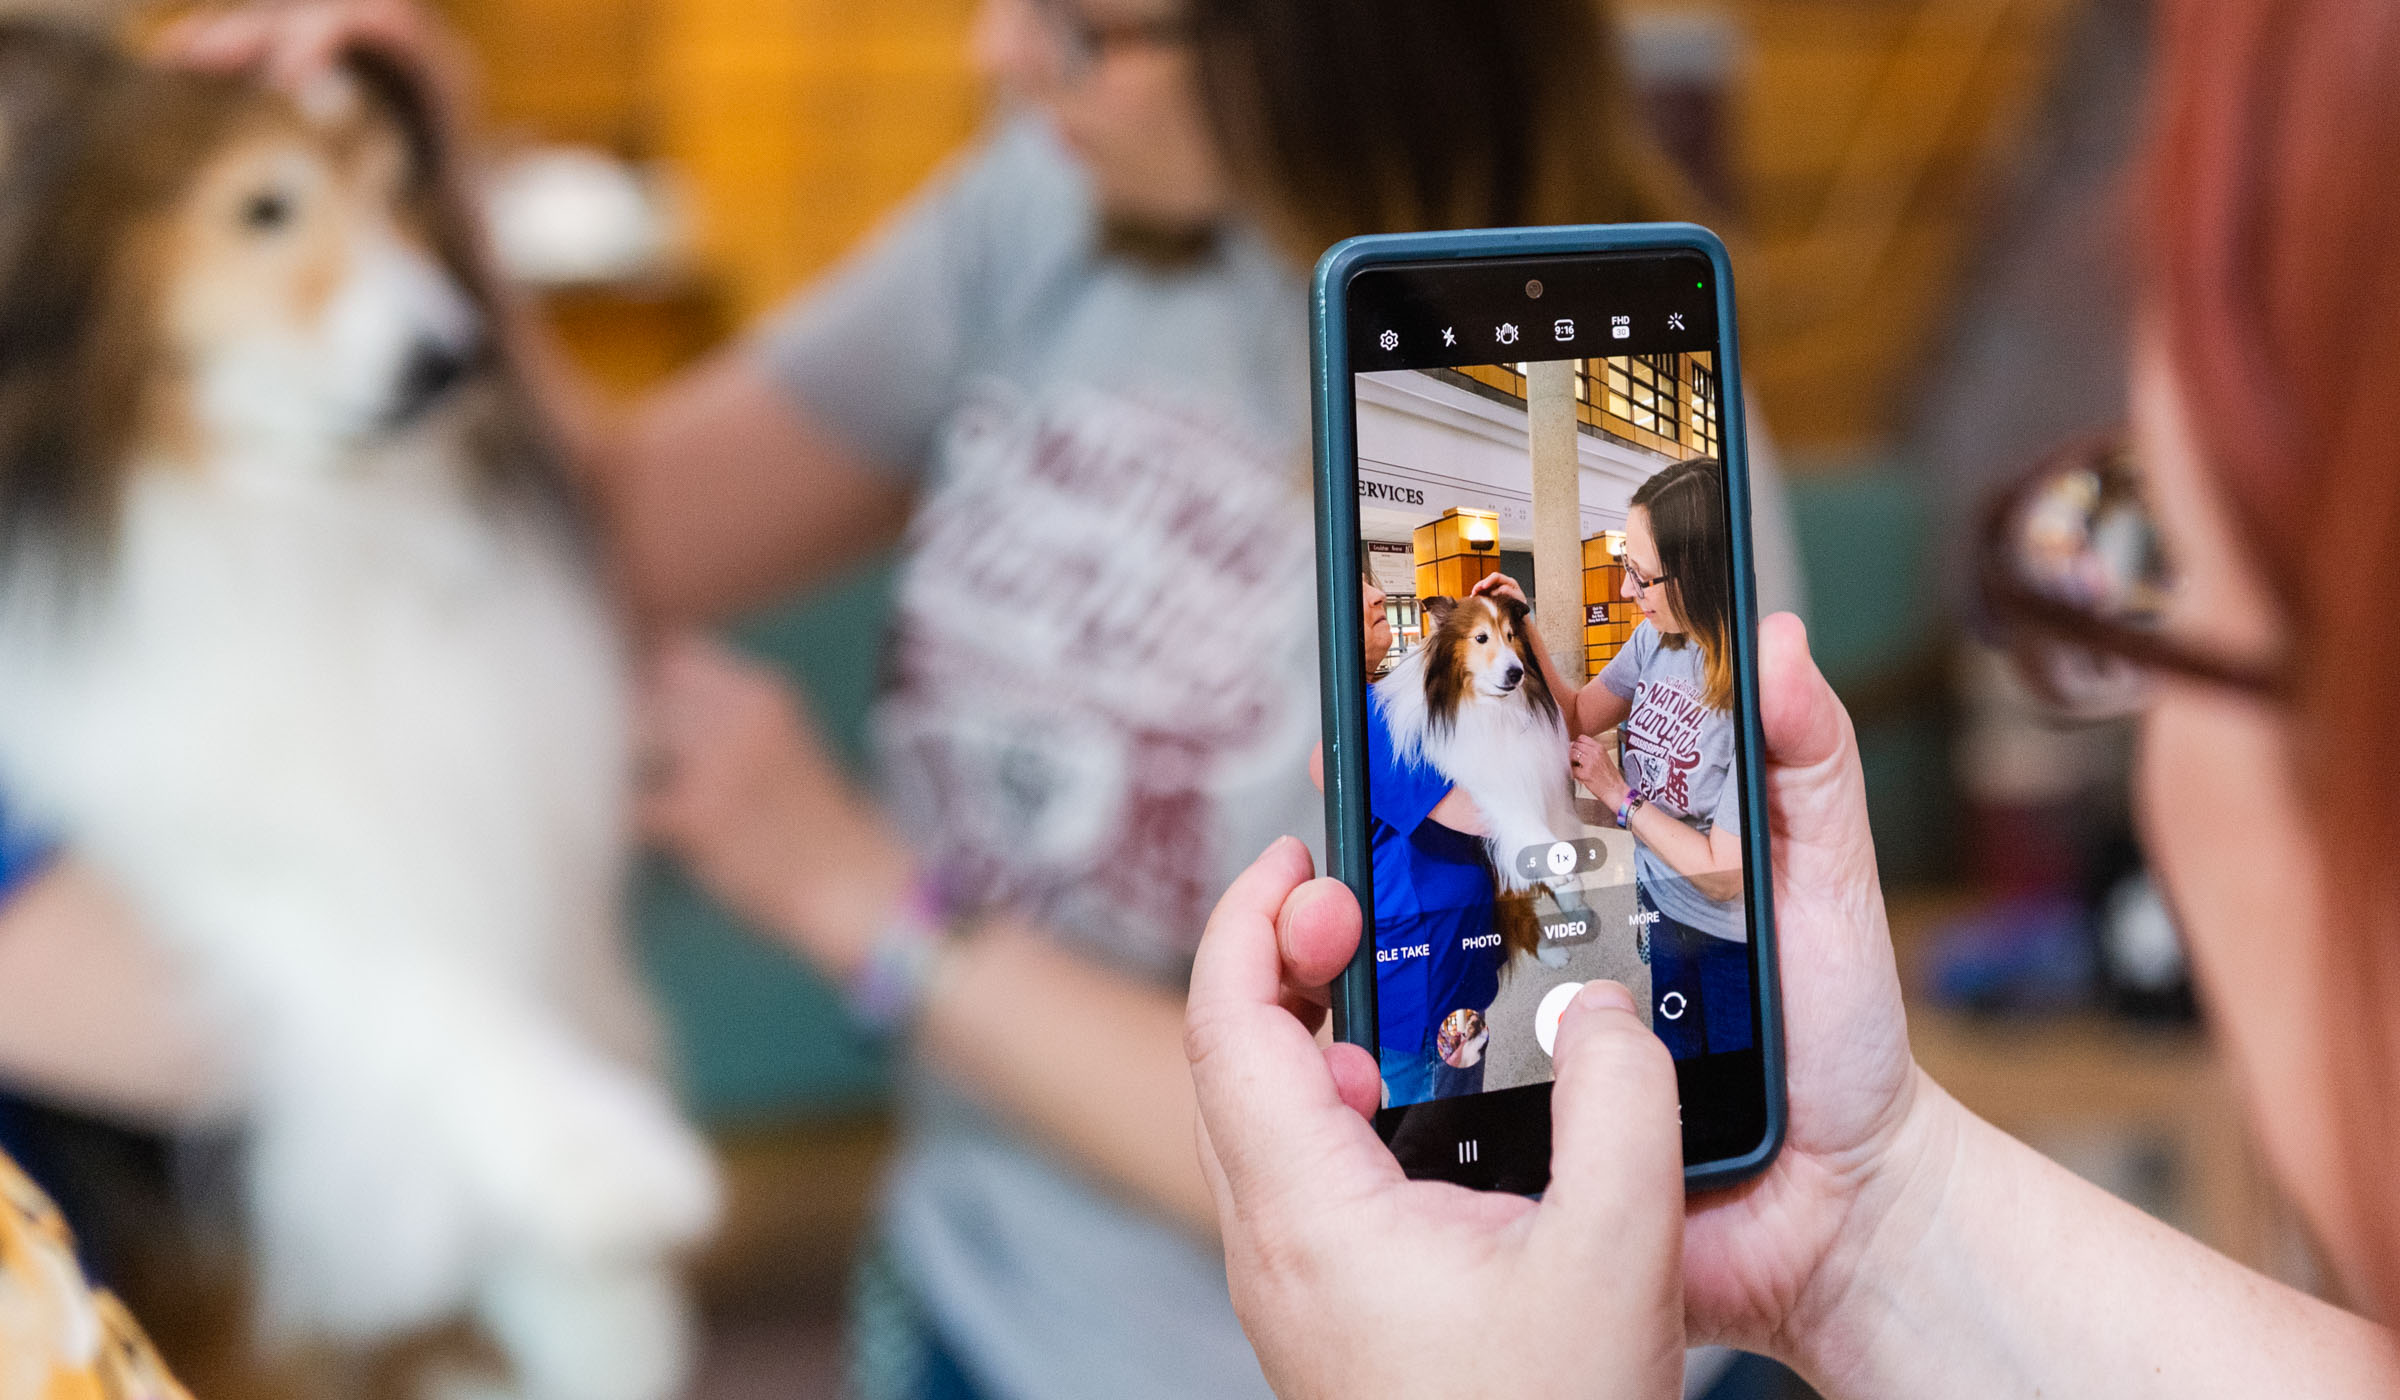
(1340, 628)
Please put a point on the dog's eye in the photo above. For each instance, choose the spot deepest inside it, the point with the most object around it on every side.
(266, 211)
(1481, 637)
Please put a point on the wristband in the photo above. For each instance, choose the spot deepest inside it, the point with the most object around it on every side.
(887, 992)
(1634, 802)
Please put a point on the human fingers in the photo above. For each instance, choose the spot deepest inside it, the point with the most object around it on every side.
(321, 38)
(1316, 932)
(1316, 766)
(216, 41)
(1616, 1157)
(1803, 720)
(307, 46)
(1239, 964)
(1816, 789)
(1276, 1119)
(1356, 1077)
(1499, 584)
(287, 45)
(298, 48)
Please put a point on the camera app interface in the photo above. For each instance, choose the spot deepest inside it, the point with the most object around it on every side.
(1553, 754)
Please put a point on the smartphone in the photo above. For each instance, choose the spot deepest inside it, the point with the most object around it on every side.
(1541, 701)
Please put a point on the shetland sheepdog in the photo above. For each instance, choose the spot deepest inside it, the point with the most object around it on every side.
(1471, 702)
(301, 646)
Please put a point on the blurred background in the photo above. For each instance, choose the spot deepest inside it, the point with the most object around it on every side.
(1927, 208)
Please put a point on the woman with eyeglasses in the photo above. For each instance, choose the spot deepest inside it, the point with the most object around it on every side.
(2236, 570)
(1669, 694)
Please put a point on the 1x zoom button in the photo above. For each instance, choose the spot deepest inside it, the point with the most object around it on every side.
(1561, 858)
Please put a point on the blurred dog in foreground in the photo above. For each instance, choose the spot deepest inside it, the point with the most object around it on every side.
(300, 645)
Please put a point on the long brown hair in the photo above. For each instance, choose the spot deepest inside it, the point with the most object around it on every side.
(1686, 504)
(1379, 116)
(2277, 265)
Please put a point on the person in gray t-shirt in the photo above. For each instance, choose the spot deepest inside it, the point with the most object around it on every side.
(1670, 694)
(1676, 785)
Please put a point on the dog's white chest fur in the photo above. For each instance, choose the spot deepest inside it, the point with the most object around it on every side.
(1508, 754)
(356, 744)
(358, 680)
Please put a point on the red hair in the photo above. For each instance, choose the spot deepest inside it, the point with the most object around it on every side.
(2276, 209)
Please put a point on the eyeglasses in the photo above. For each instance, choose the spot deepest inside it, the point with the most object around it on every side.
(1633, 571)
(2075, 576)
(1084, 41)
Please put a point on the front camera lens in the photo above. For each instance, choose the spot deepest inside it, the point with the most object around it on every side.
(1533, 288)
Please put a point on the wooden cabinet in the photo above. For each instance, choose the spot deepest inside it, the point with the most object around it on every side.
(1454, 550)
(1608, 616)
(799, 123)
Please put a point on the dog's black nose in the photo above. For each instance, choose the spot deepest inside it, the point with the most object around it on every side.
(1510, 677)
(432, 370)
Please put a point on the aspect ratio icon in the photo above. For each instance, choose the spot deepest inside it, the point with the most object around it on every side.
(1560, 858)
(1562, 329)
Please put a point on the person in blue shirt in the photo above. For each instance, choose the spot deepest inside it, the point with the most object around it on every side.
(1434, 950)
(22, 854)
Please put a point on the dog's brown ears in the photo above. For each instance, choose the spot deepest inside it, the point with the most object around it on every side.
(49, 71)
(395, 88)
(1439, 608)
(60, 86)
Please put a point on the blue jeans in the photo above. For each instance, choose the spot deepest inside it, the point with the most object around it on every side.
(1414, 1076)
(1711, 978)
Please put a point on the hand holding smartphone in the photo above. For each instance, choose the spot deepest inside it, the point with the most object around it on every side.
(1542, 737)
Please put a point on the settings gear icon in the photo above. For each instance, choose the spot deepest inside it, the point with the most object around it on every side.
(1389, 340)
(1505, 333)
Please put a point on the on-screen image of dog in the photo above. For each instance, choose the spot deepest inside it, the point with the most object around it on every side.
(1446, 923)
(306, 652)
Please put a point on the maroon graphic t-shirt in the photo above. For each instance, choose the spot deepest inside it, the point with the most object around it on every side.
(1679, 755)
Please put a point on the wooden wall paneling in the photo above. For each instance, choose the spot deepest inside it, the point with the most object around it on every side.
(800, 123)
(1868, 131)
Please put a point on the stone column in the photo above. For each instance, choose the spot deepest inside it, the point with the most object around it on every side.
(1557, 510)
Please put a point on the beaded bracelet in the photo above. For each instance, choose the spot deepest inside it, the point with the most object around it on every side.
(887, 992)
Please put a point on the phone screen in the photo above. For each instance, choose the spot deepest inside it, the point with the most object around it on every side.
(1554, 752)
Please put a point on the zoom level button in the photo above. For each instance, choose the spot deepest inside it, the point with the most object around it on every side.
(1560, 858)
